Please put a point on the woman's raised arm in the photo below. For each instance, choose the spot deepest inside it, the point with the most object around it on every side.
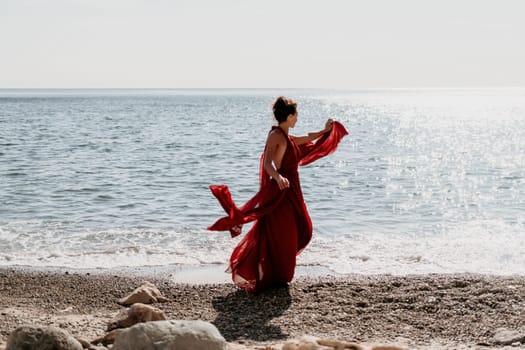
(300, 140)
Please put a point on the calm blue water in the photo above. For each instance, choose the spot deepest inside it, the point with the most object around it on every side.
(427, 180)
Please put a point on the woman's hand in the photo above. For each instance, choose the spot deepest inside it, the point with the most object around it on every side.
(300, 140)
(282, 182)
(328, 125)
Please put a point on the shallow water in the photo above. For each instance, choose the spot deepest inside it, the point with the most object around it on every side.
(427, 180)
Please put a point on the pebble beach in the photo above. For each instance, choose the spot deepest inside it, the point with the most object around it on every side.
(461, 311)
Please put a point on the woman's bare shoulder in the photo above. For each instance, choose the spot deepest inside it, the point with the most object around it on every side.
(276, 136)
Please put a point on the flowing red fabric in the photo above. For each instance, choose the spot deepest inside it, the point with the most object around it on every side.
(265, 257)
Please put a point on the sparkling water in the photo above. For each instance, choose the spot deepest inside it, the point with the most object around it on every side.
(427, 181)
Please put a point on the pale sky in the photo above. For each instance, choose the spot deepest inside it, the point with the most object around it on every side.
(261, 44)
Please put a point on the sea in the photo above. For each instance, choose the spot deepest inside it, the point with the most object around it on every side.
(427, 181)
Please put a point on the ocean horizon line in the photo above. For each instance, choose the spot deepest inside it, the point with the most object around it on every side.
(50, 92)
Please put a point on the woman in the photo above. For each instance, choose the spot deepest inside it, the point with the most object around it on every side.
(265, 257)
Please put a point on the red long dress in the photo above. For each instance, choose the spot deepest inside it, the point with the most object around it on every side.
(265, 257)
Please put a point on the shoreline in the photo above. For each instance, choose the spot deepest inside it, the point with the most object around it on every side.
(183, 274)
(416, 311)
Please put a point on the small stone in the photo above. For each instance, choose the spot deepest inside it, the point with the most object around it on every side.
(504, 336)
(85, 344)
(147, 293)
(431, 300)
(108, 338)
(137, 313)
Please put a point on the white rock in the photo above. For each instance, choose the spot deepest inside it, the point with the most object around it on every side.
(41, 338)
(504, 336)
(171, 334)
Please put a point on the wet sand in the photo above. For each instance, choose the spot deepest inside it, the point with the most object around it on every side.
(420, 311)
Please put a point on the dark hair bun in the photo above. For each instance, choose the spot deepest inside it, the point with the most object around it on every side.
(283, 107)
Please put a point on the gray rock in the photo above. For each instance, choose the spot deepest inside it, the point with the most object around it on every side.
(41, 338)
(504, 336)
(171, 334)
